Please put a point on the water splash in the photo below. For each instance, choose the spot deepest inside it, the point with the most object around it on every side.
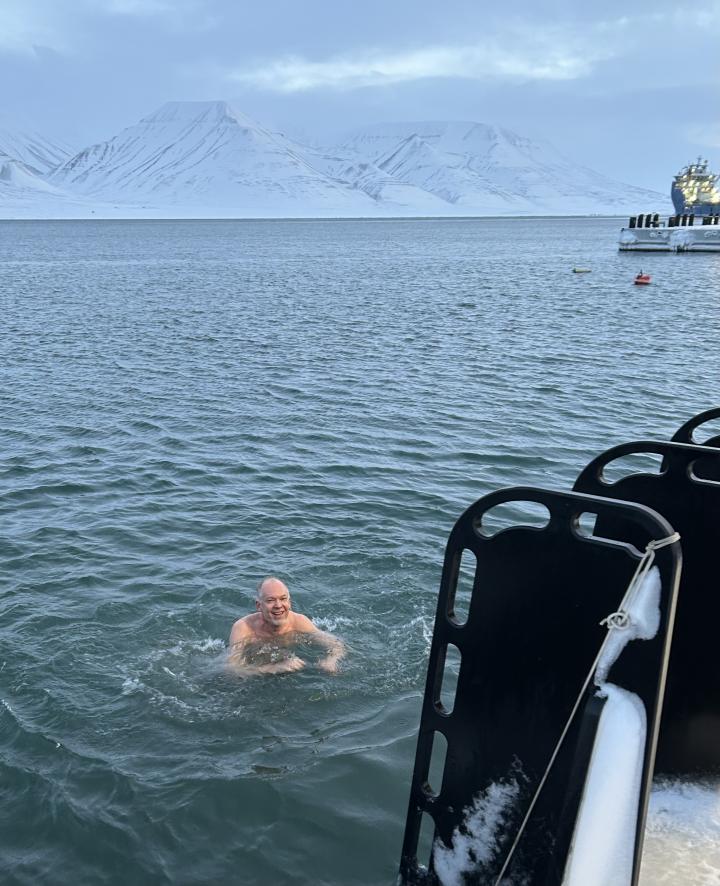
(682, 835)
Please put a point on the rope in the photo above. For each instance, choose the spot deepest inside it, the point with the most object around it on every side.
(619, 619)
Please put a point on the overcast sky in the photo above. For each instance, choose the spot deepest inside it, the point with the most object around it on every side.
(629, 89)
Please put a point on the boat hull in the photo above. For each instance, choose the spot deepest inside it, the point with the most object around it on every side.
(702, 238)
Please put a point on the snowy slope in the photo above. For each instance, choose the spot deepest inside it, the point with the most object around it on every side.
(25, 194)
(37, 153)
(15, 174)
(200, 159)
(356, 172)
(482, 167)
(207, 155)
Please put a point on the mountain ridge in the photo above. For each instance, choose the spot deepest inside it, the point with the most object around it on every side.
(202, 159)
(35, 151)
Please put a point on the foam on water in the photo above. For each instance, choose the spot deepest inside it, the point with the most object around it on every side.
(682, 835)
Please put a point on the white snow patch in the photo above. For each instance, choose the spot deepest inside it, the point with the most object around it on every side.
(643, 610)
(603, 844)
(627, 237)
(476, 842)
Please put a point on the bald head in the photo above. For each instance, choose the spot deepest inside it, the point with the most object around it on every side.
(272, 601)
(270, 584)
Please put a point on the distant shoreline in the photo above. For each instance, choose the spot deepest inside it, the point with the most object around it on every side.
(316, 218)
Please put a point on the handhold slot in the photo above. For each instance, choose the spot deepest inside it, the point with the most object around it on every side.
(512, 514)
(705, 469)
(449, 678)
(436, 768)
(708, 430)
(632, 464)
(458, 607)
(425, 841)
(585, 524)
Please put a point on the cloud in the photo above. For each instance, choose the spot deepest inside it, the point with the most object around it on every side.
(707, 19)
(514, 50)
(546, 61)
(25, 24)
(175, 9)
(141, 8)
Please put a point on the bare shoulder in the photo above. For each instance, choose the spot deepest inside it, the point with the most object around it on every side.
(243, 629)
(303, 624)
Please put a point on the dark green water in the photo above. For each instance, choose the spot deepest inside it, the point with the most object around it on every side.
(188, 406)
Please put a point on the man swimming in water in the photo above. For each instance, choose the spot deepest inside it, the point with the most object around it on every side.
(275, 622)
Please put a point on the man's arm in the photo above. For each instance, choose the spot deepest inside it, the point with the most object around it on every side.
(335, 651)
(237, 648)
(334, 645)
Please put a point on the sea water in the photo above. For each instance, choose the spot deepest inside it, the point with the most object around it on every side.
(189, 406)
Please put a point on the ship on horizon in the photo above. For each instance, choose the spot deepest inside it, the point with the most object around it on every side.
(696, 198)
(695, 190)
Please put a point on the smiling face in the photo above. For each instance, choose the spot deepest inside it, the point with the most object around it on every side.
(273, 603)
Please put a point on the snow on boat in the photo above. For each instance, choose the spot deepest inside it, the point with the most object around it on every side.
(544, 719)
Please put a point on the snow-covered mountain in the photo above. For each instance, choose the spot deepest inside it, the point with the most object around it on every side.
(25, 160)
(484, 168)
(207, 156)
(16, 174)
(25, 194)
(39, 154)
(359, 173)
(200, 159)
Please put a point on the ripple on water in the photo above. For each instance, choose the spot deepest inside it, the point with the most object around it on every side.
(192, 406)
